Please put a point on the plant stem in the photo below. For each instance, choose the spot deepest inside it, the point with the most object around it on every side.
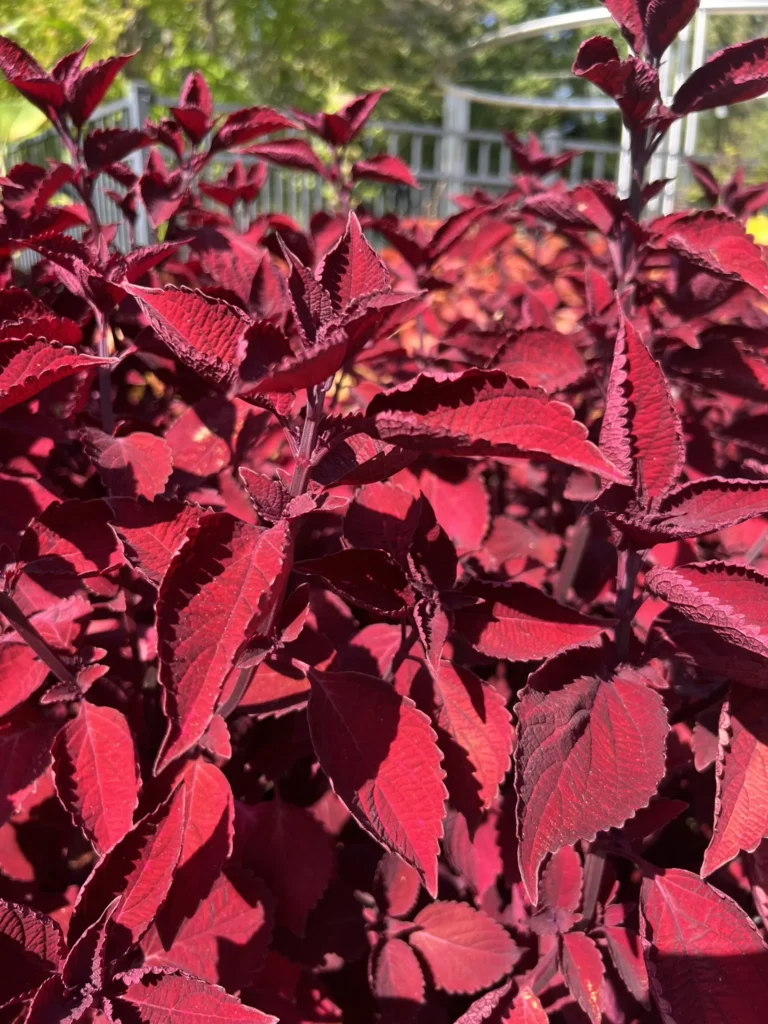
(594, 865)
(32, 638)
(309, 434)
(572, 560)
(626, 577)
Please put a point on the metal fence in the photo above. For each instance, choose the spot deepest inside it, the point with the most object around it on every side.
(444, 161)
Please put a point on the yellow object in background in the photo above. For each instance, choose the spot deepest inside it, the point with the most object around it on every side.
(757, 226)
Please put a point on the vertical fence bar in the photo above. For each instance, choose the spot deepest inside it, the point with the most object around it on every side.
(453, 154)
(139, 103)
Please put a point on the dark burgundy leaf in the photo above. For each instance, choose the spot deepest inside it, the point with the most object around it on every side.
(379, 752)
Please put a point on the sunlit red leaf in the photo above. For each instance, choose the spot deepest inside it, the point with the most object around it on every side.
(465, 949)
(136, 466)
(707, 962)
(96, 773)
(221, 587)
(590, 753)
(483, 412)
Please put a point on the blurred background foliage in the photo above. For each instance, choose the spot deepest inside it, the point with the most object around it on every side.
(317, 53)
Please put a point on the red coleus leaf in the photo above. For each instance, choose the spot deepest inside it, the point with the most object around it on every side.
(632, 83)
(717, 243)
(225, 939)
(561, 881)
(70, 539)
(397, 974)
(625, 950)
(96, 773)
(136, 466)
(590, 753)
(651, 25)
(465, 949)
(483, 412)
(31, 947)
(741, 803)
(380, 754)
(542, 358)
(699, 507)
(38, 365)
(517, 622)
(383, 515)
(204, 333)
(152, 533)
(294, 153)
(370, 579)
(291, 851)
(25, 753)
(139, 869)
(397, 885)
(248, 124)
(472, 723)
(21, 673)
(706, 960)
(105, 146)
(88, 89)
(223, 585)
(352, 269)
(161, 997)
(732, 75)
(527, 1009)
(583, 970)
(206, 842)
(390, 169)
(730, 599)
(460, 502)
(641, 432)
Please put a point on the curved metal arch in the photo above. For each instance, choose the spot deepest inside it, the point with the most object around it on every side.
(585, 18)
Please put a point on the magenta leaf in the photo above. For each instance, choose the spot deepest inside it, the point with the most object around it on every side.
(286, 847)
(39, 365)
(517, 622)
(483, 412)
(732, 75)
(583, 970)
(464, 949)
(151, 534)
(641, 432)
(471, 716)
(707, 962)
(590, 753)
(136, 466)
(221, 587)
(397, 974)
(389, 169)
(204, 333)
(380, 754)
(542, 358)
(161, 997)
(32, 948)
(96, 773)
(731, 600)
(651, 25)
(741, 802)
(225, 940)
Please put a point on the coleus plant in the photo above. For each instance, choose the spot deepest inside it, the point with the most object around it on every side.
(383, 633)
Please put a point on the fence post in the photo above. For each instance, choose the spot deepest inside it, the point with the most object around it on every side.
(139, 103)
(453, 150)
